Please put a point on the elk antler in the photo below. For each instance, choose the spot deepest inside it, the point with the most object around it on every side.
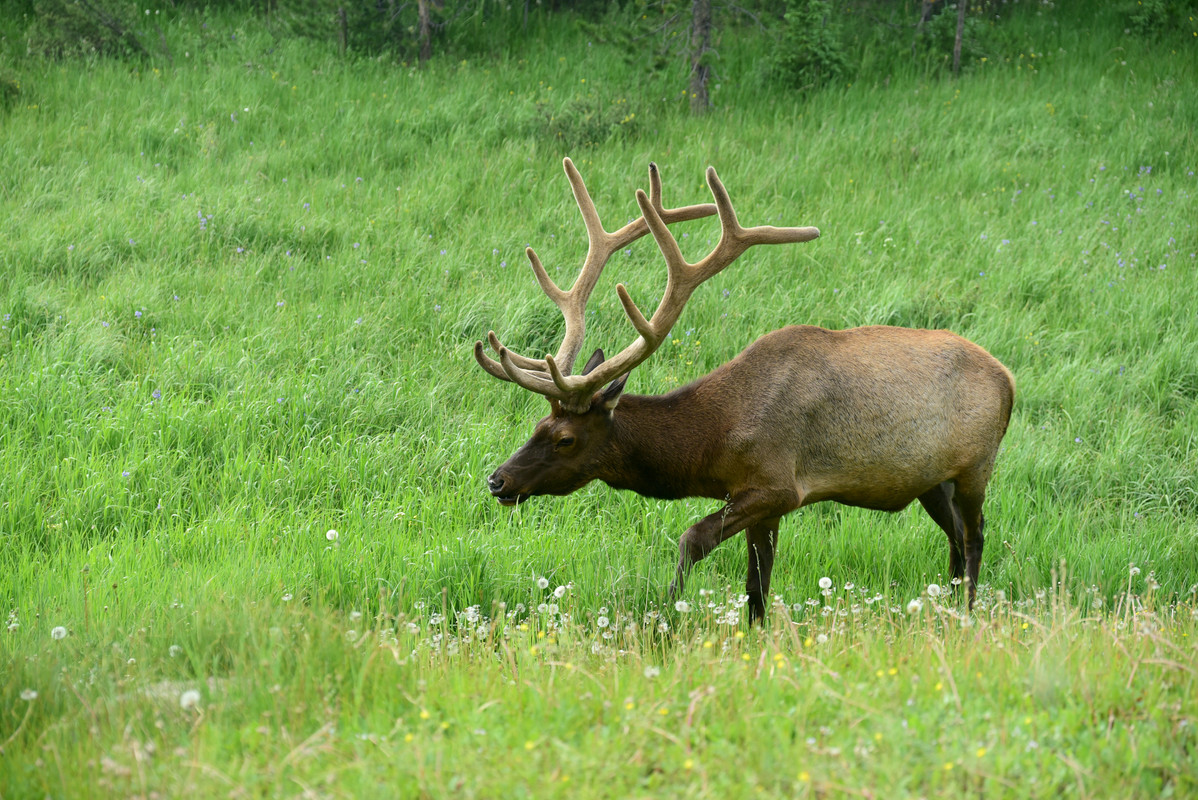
(534, 374)
(575, 391)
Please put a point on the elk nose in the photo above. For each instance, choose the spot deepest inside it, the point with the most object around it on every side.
(495, 483)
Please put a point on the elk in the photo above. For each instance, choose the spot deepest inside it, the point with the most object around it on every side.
(873, 417)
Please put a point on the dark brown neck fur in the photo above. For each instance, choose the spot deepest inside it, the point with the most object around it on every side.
(664, 446)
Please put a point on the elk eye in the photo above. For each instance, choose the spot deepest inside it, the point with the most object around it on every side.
(565, 441)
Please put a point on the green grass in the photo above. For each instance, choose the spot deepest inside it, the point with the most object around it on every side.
(239, 299)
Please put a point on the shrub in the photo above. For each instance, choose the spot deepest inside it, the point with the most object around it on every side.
(810, 48)
(1157, 18)
(65, 28)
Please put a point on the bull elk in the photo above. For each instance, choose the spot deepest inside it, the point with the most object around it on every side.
(873, 417)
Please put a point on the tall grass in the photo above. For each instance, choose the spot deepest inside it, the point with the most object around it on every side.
(239, 298)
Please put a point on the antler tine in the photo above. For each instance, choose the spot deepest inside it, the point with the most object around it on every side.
(528, 380)
(759, 234)
(681, 281)
(638, 227)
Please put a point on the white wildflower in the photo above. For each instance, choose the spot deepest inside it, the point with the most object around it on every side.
(189, 699)
(933, 590)
(682, 606)
(28, 695)
(914, 606)
(58, 632)
(331, 535)
(825, 582)
(542, 583)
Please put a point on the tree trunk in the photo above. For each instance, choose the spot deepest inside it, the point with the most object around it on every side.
(426, 44)
(925, 11)
(700, 45)
(342, 30)
(961, 6)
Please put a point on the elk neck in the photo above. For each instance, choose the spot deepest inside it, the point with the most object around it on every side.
(665, 446)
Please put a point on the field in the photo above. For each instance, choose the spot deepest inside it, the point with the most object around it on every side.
(246, 546)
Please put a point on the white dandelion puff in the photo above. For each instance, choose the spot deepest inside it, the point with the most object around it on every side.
(58, 632)
(189, 699)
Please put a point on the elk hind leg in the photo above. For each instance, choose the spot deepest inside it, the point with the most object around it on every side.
(970, 508)
(940, 504)
(762, 539)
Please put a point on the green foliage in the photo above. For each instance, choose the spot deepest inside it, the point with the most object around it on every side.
(1161, 19)
(938, 36)
(809, 50)
(649, 34)
(71, 28)
(370, 28)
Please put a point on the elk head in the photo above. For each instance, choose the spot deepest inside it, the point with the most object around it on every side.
(565, 449)
(569, 447)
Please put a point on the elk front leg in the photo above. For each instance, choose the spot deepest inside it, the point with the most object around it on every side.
(748, 508)
(763, 542)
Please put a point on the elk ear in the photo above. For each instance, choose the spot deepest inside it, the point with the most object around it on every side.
(595, 360)
(609, 397)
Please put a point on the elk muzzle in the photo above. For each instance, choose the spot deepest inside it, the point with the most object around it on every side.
(502, 490)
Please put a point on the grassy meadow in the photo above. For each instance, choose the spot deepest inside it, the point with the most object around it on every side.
(246, 547)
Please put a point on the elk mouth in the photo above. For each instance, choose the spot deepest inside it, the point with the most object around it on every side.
(511, 499)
